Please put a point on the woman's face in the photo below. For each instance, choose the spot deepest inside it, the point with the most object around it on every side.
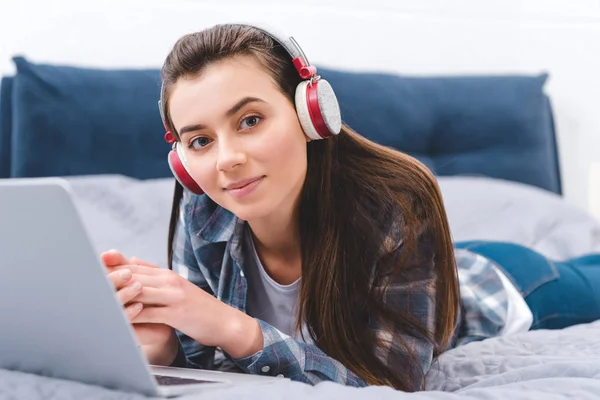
(241, 136)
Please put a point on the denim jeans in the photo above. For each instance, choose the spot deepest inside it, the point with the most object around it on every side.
(559, 293)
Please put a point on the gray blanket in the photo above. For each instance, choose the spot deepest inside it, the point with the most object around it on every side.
(132, 216)
(544, 365)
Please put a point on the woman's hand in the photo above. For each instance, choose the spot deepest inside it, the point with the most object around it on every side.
(172, 300)
(158, 341)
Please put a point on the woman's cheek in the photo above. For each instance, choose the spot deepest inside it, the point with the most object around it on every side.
(202, 172)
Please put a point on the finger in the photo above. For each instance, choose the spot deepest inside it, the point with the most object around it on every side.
(133, 310)
(129, 292)
(158, 297)
(120, 278)
(152, 315)
(113, 258)
(153, 281)
(138, 269)
(135, 260)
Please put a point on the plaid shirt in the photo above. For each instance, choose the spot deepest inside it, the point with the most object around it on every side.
(207, 250)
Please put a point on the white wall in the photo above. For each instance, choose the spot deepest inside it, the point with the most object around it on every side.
(420, 37)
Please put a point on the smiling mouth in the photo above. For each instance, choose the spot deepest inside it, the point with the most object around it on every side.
(243, 184)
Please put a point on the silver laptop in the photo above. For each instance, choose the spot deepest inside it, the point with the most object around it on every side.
(60, 316)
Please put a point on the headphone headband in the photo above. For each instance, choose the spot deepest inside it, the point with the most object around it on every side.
(288, 43)
(299, 59)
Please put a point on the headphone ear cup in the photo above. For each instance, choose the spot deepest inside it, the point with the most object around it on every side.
(178, 165)
(318, 109)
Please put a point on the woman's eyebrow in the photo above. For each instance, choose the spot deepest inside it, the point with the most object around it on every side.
(236, 107)
(242, 103)
(191, 128)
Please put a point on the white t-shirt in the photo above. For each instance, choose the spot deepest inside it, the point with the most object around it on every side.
(268, 300)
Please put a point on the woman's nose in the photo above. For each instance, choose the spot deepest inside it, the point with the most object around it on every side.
(231, 154)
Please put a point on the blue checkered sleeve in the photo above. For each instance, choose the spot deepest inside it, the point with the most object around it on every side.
(191, 354)
(283, 355)
(483, 298)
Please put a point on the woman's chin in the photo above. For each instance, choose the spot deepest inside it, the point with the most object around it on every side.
(249, 212)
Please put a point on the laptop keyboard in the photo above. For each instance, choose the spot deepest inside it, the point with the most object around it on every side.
(164, 380)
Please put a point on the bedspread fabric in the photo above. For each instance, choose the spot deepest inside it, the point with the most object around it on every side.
(544, 365)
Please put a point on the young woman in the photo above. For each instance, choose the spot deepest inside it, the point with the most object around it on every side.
(299, 248)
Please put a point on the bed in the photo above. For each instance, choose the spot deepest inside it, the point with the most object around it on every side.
(490, 140)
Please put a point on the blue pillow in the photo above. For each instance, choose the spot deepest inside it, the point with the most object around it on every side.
(80, 121)
(456, 125)
(94, 121)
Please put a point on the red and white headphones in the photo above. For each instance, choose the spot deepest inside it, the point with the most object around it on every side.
(316, 105)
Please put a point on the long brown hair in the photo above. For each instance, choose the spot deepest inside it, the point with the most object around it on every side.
(355, 193)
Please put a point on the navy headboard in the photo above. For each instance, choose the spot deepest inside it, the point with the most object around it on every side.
(61, 120)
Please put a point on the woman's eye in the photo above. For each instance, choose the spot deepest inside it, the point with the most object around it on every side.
(250, 122)
(199, 143)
